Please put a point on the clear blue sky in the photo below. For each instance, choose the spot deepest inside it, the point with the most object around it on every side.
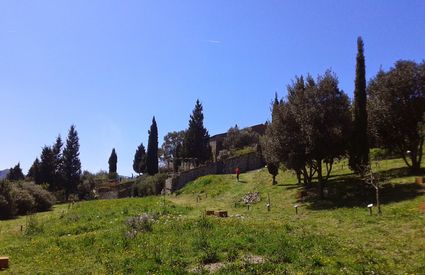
(109, 66)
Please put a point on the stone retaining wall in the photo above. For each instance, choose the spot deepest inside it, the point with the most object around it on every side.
(245, 163)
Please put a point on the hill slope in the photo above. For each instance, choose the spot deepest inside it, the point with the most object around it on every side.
(332, 236)
(3, 174)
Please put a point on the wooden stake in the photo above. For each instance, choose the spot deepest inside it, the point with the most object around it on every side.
(268, 204)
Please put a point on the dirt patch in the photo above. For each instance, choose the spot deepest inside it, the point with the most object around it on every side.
(254, 259)
(251, 198)
(211, 268)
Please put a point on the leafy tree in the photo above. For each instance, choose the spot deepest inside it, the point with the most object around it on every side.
(359, 149)
(152, 154)
(71, 162)
(48, 167)
(172, 142)
(15, 173)
(113, 162)
(397, 110)
(237, 139)
(139, 162)
(196, 139)
(34, 172)
(311, 128)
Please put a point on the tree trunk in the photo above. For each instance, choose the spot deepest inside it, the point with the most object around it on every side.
(328, 169)
(274, 179)
(378, 203)
(298, 172)
(305, 176)
(320, 178)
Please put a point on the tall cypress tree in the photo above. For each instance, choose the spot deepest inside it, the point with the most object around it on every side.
(113, 162)
(196, 140)
(71, 162)
(139, 162)
(359, 151)
(152, 154)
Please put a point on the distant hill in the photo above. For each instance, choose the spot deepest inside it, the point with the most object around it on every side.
(3, 173)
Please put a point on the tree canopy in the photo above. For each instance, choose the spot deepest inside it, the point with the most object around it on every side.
(359, 144)
(113, 159)
(311, 128)
(139, 162)
(397, 110)
(15, 173)
(152, 154)
(71, 162)
(196, 139)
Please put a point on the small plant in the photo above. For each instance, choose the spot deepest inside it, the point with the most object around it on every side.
(142, 223)
(33, 226)
(232, 254)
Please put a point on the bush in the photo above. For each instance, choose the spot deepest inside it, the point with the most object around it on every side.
(150, 185)
(25, 202)
(238, 139)
(43, 198)
(7, 203)
(85, 189)
(23, 198)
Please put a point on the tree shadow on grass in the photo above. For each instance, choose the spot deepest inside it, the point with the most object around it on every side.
(352, 192)
(398, 173)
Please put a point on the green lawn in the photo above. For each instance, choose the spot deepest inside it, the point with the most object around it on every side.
(335, 235)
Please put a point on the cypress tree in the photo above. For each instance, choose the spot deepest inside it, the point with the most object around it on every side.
(71, 162)
(359, 149)
(152, 154)
(139, 162)
(196, 140)
(113, 162)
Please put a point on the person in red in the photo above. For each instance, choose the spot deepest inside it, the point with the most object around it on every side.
(238, 172)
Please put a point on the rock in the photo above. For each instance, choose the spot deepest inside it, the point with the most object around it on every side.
(251, 198)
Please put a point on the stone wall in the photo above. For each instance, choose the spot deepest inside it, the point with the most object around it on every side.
(245, 163)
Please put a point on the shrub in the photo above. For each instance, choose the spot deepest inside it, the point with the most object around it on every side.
(150, 185)
(7, 203)
(142, 223)
(33, 226)
(43, 198)
(85, 189)
(237, 139)
(25, 202)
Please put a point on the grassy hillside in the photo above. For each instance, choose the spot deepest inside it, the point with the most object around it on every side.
(335, 235)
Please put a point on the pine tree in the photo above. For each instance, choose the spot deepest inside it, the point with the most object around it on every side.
(71, 162)
(34, 172)
(152, 154)
(359, 151)
(139, 162)
(196, 140)
(113, 162)
(57, 154)
(47, 167)
(15, 173)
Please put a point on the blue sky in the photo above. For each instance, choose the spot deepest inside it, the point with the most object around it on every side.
(109, 66)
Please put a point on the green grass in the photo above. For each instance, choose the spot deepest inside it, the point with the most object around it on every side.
(335, 235)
